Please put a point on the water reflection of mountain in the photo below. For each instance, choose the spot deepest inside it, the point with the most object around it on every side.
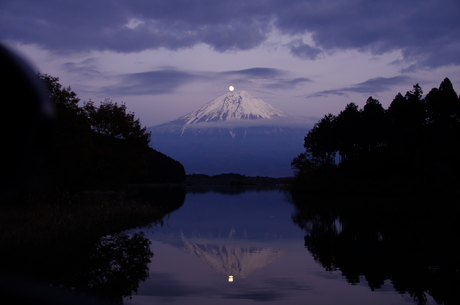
(231, 259)
(231, 233)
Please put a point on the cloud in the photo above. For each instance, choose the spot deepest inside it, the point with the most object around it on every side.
(339, 92)
(422, 30)
(426, 32)
(272, 78)
(132, 26)
(378, 84)
(150, 83)
(370, 86)
(256, 73)
(237, 35)
(287, 83)
(305, 51)
(87, 68)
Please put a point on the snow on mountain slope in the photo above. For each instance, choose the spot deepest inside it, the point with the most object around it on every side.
(234, 133)
(239, 105)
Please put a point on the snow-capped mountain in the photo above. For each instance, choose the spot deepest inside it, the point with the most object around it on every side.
(234, 133)
(238, 105)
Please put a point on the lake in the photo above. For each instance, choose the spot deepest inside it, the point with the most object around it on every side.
(241, 246)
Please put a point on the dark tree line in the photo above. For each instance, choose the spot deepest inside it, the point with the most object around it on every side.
(100, 146)
(416, 136)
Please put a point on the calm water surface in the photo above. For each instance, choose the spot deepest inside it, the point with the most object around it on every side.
(242, 247)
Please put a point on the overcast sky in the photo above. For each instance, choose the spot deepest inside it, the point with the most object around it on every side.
(164, 58)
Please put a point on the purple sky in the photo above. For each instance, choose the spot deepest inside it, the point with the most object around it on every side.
(164, 58)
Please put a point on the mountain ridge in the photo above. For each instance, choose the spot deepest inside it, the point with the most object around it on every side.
(233, 133)
(238, 105)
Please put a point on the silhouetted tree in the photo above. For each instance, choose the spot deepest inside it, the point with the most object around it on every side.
(112, 120)
(99, 146)
(63, 97)
(321, 141)
(399, 126)
(303, 164)
(374, 125)
(349, 132)
(442, 134)
(443, 105)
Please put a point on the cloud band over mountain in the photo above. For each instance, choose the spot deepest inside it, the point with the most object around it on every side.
(425, 32)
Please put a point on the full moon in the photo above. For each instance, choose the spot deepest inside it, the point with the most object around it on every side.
(231, 88)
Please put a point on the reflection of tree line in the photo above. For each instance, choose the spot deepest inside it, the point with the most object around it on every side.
(417, 251)
(112, 269)
(116, 264)
(109, 267)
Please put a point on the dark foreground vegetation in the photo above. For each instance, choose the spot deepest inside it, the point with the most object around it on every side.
(66, 198)
(411, 148)
(100, 147)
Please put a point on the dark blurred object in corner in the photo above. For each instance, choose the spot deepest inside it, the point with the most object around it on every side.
(26, 122)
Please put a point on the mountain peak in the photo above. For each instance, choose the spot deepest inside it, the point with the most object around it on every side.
(234, 105)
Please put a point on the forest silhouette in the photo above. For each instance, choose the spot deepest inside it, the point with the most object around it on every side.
(99, 147)
(412, 146)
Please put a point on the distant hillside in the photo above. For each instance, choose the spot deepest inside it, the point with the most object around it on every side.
(235, 180)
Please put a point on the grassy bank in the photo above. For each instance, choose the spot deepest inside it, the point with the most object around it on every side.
(57, 243)
(89, 215)
(40, 238)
